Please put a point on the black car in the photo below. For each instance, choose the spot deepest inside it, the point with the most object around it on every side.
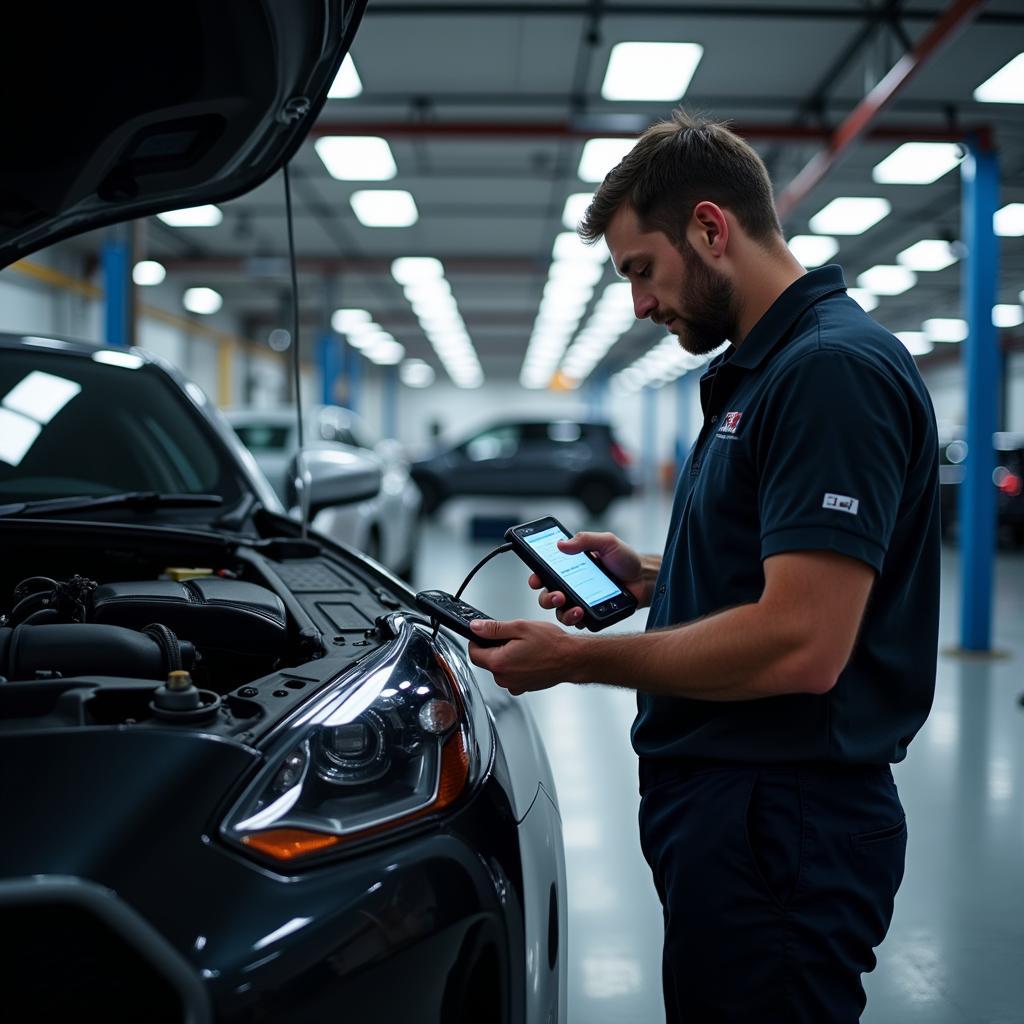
(1007, 477)
(530, 458)
(242, 777)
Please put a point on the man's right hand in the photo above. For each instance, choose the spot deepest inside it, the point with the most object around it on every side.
(624, 562)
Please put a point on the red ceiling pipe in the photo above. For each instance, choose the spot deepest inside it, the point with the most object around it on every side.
(857, 125)
(564, 130)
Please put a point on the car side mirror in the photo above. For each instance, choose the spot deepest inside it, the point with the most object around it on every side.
(334, 476)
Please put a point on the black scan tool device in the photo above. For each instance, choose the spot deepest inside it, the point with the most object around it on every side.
(454, 613)
(585, 582)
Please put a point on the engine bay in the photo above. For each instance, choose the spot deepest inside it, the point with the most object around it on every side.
(219, 636)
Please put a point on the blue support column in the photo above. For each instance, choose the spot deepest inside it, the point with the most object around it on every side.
(977, 510)
(685, 387)
(117, 288)
(330, 365)
(389, 405)
(650, 439)
(354, 373)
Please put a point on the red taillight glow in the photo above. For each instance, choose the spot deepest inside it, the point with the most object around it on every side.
(619, 454)
(1011, 485)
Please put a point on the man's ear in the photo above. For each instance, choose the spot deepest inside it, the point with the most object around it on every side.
(710, 228)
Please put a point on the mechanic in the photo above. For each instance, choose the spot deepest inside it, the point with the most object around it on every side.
(791, 641)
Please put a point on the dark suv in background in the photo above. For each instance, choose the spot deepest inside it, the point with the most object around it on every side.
(530, 458)
(1008, 478)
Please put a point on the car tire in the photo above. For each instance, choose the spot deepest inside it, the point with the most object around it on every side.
(595, 495)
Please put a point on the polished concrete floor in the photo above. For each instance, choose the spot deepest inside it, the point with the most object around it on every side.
(955, 951)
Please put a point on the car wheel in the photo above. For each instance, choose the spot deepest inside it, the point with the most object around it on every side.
(595, 495)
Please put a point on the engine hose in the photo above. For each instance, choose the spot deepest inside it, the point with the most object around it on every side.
(168, 641)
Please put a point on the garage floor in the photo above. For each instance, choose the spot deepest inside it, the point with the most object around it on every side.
(955, 950)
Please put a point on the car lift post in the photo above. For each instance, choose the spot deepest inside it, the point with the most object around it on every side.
(977, 509)
(117, 287)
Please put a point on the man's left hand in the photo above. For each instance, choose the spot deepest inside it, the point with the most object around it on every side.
(535, 655)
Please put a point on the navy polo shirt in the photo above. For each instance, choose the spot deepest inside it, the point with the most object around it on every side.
(818, 435)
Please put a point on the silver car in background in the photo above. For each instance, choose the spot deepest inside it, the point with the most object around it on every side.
(384, 527)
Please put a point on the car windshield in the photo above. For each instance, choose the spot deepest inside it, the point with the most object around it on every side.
(73, 425)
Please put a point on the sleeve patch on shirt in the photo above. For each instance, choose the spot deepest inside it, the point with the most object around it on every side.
(841, 503)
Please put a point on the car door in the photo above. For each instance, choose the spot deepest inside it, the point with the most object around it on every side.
(484, 464)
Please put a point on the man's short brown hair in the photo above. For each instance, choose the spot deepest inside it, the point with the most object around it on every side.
(676, 164)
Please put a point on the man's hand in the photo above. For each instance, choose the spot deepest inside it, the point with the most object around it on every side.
(535, 655)
(622, 561)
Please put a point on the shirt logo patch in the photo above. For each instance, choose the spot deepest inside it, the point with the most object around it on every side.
(841, 503)
(730, 423)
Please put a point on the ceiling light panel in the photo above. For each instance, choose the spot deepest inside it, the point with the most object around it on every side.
(928, 255)
(887, 279)
(430, 295)
(917, 163)
(850, 215)
(650, 71)
(1005, 86)
(347, 84)
(575, 207)
(356, 157)
(916, 343)
(947, 329)
(1008, 221)
(600, 156)
(384, 208)
(203, 301)
(1007, 315)
(147, 273)
(813, 250)
(865, 299)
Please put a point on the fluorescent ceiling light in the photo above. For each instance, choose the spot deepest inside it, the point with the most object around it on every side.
(410, 270)
(356, 157)
(813, 250)
(601, 155)
(1007, 315)
(917, 343)
(148, 272)
(1005, 86)
(849, 215)
(202, 300)
(415, 373)
(945, 329)
(344, 320)
(1009, 220)
(581, 272)
(865, 299)
(40, 396)
(917, 163)
(650, 71)
(887, 280)
(385, 208)
(347, 83)
(928, 254)
(575, 206)
(569, 246)
(389, 353)
(193, 217)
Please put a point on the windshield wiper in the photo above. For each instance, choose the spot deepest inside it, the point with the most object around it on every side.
(138, 501)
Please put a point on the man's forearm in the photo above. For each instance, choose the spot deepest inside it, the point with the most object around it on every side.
(738, 654)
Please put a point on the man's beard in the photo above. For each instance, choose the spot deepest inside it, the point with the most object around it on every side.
(708, 299)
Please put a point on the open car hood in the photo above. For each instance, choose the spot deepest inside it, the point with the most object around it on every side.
(116, 112)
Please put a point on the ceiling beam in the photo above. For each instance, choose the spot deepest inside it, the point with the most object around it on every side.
(859, 123)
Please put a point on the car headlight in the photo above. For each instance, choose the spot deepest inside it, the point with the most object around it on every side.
(395, 740)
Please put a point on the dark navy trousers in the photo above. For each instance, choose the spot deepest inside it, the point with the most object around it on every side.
(777, 883)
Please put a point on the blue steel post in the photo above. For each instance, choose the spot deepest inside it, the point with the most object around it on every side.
(328, 349)
(389, 407)
(977, 509)
(117, 288)
(354, 372)
(650, 442)
(684, 413)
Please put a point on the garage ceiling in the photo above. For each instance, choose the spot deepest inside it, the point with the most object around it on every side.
(487, 106)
